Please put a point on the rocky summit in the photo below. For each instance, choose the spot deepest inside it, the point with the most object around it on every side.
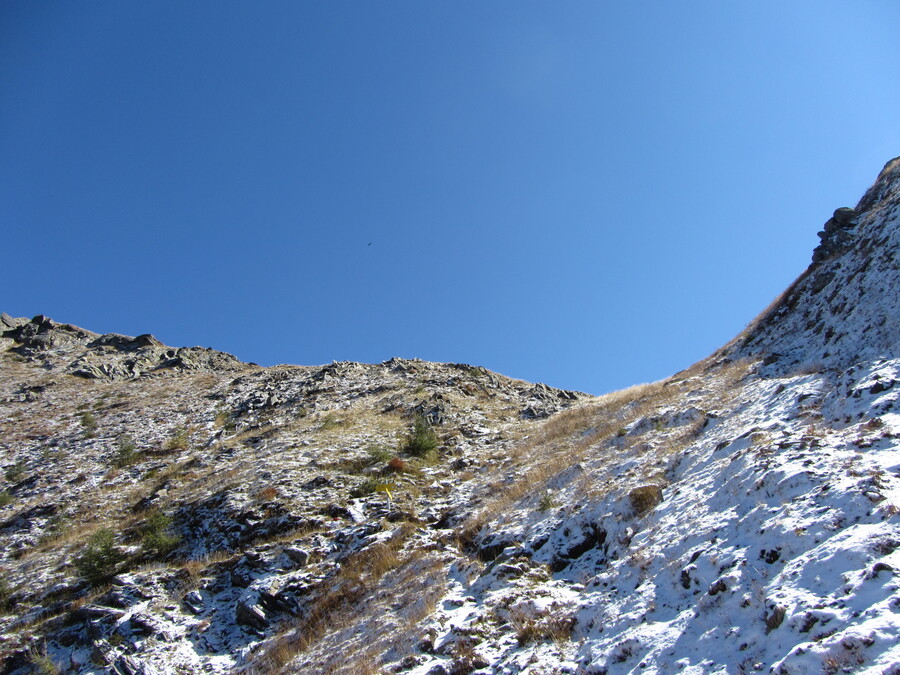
(178, 511)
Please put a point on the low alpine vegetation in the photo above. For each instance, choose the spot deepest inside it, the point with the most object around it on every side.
(422, 441)
(89, 424)
(125, 454)
(101, 559)
(156, 538)
(180, 440)
(14, 472)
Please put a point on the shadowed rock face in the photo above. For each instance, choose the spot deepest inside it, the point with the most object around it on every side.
(837, 235)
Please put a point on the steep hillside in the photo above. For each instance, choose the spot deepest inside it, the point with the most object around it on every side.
(845, 308)
(177, 511)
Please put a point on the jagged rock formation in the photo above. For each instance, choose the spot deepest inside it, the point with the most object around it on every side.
(106, 357)
(171, 511)
(837, 235)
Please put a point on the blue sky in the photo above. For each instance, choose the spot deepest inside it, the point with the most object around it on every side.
(587, 194)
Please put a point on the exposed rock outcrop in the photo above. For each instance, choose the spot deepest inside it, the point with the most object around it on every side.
(108, 357)
(837, 235)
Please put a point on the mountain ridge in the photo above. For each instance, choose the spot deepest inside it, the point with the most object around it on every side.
(175, 510)
(830, 289)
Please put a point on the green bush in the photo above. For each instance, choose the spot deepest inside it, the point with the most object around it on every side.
(367, 487)
(180, 440)
(41, 662)
(89, 423)
(156, 540)
(5, 498)
(379, 454)
(14, 472)
(330, 421)
(5, 596)
(125, 454)
(421, 441)
(547, 502)
(100, 560)
(225, 420)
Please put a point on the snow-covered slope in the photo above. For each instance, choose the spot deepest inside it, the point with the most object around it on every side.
(774, 545)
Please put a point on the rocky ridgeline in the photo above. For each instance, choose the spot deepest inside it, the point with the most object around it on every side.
(172, 511)
(108, 357)
(845, 307)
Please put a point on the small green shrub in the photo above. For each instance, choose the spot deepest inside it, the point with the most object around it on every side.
(49, 452)
(53, 527)
(125, 454)
(100, 559)
(156, 540)
(367, 487)
(41, 662)
(224, 420)
(5, 498)
(379, 454)
(547, 502)
(180, 440)
(5, 596)
(89, 424)
(15, 472)
(330, 421)
(421, 441)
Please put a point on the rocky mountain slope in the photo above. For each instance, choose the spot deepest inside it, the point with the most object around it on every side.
(177, 511)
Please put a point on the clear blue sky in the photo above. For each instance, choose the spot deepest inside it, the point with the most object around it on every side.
(588, 194)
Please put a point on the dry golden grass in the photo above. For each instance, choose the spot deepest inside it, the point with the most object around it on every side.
(432, 584)
(80, 527)
(337, 606)
(267, 493)
(588, 432)
(195, 568)
(549, 625)
(562, 441)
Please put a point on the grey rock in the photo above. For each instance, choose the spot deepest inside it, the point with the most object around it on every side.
(194, 602)
(131, 665)
(8, 322)
(717, 587)
(251, 615)
(836, 235)
(298, 555)
(774, 617)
